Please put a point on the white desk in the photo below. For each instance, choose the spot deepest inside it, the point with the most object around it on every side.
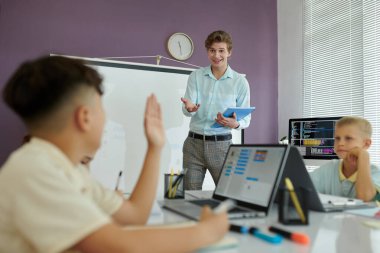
(329, 232)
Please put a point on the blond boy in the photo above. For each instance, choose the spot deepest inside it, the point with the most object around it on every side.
(49, 202)
(352, 175)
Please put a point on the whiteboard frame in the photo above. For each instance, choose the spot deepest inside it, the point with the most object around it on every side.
(99, 62)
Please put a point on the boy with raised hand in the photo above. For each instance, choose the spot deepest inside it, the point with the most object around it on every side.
(49, 203)
(352, 176)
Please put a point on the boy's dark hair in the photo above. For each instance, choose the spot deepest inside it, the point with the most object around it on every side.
(219, 36)
(39, 87)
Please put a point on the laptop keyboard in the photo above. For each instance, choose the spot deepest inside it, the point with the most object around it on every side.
(212, 204)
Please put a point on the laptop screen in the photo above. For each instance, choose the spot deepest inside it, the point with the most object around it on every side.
(250, 173)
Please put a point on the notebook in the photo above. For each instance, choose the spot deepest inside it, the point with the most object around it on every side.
(250, 175)
(369, 212)
(295, 169)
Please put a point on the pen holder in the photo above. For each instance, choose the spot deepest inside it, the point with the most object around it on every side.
(174, 186)
(288, 212)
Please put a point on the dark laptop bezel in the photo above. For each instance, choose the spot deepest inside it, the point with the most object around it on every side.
(252, 206)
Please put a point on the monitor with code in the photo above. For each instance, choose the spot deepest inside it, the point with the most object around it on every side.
(314, 137)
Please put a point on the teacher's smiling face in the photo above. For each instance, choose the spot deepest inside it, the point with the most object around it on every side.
(218, 55)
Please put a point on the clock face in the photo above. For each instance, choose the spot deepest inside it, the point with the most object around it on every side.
(180, 46)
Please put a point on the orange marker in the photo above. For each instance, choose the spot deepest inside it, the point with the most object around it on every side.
(296, 237)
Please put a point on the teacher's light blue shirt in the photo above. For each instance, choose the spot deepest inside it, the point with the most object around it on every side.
(231, 90)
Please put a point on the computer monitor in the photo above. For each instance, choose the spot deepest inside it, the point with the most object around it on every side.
(314, 137)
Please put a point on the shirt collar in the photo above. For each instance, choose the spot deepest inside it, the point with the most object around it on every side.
(342, 177)
(227, 74)
(53, 151)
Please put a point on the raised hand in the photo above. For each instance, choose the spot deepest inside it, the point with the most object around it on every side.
(153, 126)
(190, 107)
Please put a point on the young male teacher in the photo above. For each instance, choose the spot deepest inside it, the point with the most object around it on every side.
(210, 91)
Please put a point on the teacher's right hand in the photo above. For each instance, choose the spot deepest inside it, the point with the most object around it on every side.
(190, 107)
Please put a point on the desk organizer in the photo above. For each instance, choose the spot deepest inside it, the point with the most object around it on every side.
(288, 214)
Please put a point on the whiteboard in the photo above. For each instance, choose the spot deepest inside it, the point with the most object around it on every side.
(126, 87)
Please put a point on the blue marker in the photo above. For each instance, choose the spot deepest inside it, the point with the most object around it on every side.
(275, 239)
(240, 229)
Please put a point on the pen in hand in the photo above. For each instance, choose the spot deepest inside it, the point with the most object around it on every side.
(118, 180)
(224, 206)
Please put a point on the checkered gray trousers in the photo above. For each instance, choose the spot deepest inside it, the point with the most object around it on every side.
(200, 156)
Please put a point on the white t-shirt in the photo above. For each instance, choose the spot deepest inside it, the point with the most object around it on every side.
(47, 204)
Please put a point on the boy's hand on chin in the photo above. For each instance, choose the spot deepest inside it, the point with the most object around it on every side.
(352, 160)
(354, 154)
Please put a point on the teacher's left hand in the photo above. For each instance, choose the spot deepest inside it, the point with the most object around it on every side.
(227, 122)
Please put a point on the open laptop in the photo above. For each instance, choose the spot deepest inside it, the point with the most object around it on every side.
(295, 169)
(250, 175)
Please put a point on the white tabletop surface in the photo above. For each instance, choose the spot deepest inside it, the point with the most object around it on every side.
(329, 232)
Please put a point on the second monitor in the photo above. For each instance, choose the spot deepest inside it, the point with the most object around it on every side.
(314, 137)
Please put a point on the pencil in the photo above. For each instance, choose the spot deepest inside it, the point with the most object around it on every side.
(295, 200)
(170, 183)
(177, 181)
(118, 180)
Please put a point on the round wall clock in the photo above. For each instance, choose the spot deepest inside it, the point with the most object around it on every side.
(180, 46)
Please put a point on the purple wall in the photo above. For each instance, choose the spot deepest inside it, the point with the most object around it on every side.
(101, 28)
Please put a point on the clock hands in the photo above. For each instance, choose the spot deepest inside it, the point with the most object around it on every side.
(180, 48)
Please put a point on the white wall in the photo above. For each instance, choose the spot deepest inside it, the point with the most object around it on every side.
(289, 19)
(290, 58)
